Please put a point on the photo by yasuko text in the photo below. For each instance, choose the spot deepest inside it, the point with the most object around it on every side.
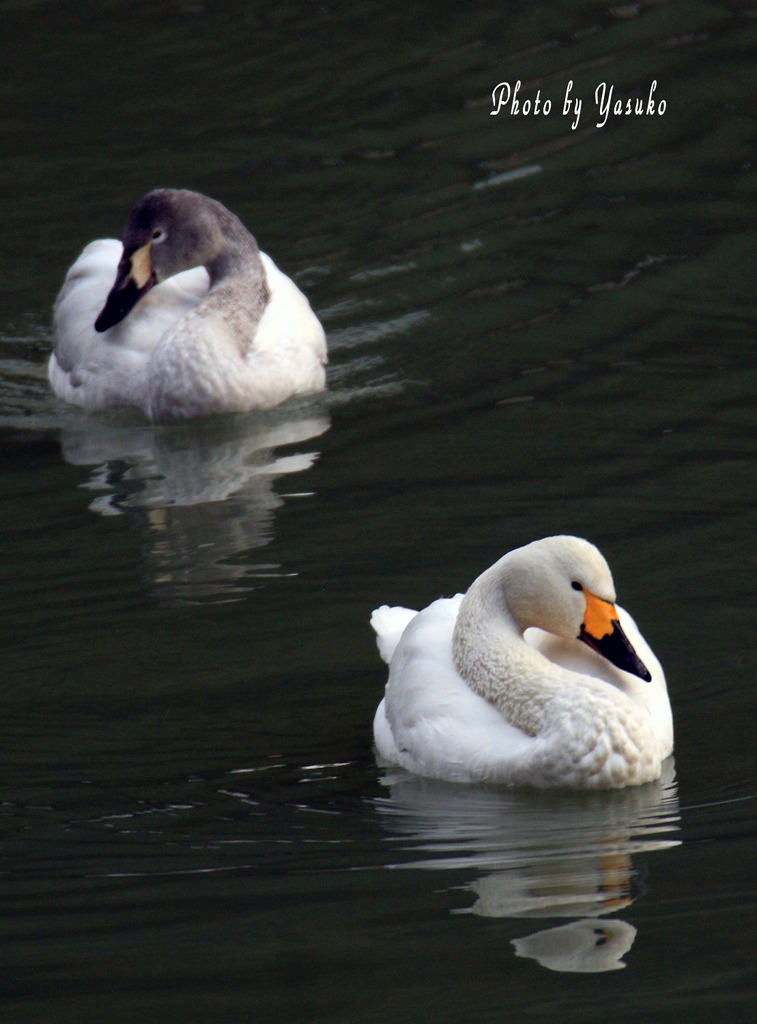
(507, 99)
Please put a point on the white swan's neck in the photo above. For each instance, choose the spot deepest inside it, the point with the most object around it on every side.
(496, 662)
(588, 733)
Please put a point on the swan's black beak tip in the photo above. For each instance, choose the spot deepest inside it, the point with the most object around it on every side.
(617, 648)
(122, 298)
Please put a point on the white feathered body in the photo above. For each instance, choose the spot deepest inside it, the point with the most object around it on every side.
(182, 351)
(594, 726)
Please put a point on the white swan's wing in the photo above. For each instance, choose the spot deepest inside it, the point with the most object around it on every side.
(430, 721)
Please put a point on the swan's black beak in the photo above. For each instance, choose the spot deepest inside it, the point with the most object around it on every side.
(134, 278)
(602, 631)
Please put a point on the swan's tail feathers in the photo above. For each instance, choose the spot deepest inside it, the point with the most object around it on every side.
(389, 624)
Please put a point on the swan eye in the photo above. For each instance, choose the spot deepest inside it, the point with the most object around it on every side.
(576, 585)
(158, 235)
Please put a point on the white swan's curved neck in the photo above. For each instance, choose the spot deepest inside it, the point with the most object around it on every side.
(496, 662)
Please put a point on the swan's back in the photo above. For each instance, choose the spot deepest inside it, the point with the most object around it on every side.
(430, 722)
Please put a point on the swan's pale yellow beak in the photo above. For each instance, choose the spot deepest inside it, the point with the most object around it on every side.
(602, 631)
(134, 278)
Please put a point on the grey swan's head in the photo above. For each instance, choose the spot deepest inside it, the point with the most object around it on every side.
(168, 231)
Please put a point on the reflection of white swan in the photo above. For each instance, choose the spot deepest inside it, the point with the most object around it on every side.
(476, 693)
(565, 854)
(581, 947)
(202, 494)
(188, 318)
(600, 884)
(534, 854)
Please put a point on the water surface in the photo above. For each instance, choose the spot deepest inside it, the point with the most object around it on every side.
(533, 329)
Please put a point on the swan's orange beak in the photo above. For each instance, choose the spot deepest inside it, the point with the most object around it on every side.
(134, 278)
(602, 631)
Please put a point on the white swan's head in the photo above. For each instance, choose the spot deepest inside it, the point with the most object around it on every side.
(170, 230)
(564, 585)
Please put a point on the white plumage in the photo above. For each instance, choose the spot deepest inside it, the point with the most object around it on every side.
(496, 685)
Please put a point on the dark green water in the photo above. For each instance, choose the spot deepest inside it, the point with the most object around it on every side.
(533, 329)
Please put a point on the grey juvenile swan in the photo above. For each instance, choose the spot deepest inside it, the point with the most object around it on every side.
(186, 318)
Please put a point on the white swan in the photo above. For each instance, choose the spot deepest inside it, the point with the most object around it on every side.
(476, 693)
(135, 325)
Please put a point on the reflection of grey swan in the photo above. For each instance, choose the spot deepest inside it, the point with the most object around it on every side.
(203, 495)
(147, 467)
(198, 321)
(476, 693)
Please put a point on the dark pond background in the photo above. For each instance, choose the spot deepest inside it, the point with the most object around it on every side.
(533, 329)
